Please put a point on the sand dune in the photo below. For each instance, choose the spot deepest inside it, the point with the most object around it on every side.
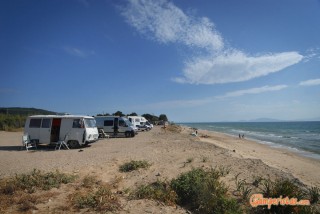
(170, 153)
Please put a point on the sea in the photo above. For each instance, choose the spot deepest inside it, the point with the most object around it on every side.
(300, 137)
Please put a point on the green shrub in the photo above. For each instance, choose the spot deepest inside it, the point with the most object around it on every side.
(134, 165)
(10, 122)
(89, 181)
(35, 180)
(202, 192)
(100, 199)
(314, 194)
(39, 180)
(95, 195)
(160, 191)
(18, 190)
(243, 188)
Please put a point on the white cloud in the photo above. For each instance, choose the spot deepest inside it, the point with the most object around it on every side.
(77, 52)
(163, 21)
(235, 66)
(310, 82)
(311, 54)
(253, 91)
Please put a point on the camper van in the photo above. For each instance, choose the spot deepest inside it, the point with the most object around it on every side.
(140, 123)
(116, 126)
(49, 129)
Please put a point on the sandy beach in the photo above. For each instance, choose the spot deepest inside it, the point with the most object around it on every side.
(170, 154)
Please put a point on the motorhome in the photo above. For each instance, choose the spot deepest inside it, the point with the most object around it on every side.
(116, 126)
(141, 123)
(49, 129)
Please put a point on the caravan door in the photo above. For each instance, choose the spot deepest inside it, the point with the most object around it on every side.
(45, 131)
(55, 130)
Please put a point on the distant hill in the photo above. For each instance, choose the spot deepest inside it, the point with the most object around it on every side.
(24, 111)
(266, 120)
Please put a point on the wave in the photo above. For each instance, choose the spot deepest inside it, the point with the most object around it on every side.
(294, 135)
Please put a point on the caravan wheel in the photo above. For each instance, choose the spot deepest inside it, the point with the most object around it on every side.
(132, 134)
(127, 134)
(73, 144)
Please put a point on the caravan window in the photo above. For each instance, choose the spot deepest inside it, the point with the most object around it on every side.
(122, 123)
(77, 123)
(90, 123)
(35, 123)
(46, 123)
(108, 123)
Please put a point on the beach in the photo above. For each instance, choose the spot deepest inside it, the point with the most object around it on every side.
(170, 152)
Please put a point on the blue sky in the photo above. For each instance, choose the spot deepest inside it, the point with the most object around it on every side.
(196, 61)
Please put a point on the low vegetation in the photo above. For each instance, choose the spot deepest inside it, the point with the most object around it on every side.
(173, 128)
(198, 190)
(202, 191)
(22, 189)
(285, 188)
(13, 119)
(11, 122)
(134, 165)
(95, 195)
(159, 190)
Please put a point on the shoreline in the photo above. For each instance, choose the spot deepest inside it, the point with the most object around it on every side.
(304, 168)
(273, 145)
(267, 138)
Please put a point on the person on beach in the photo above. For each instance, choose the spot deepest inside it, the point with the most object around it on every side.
(242, 136)
(239, 136)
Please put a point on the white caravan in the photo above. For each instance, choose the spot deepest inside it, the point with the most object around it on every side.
(139, 122)
(111, 123)
(49, 129)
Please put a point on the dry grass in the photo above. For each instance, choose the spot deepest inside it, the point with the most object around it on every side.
(174, 128)
(22, 193)
(94, 195)
(134, 165)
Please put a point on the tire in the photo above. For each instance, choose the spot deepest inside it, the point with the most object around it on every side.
(127, 134)
(73, 144)
(132, 134)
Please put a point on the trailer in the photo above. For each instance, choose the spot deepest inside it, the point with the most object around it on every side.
(49, 129)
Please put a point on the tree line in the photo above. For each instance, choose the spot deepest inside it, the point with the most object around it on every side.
(11, 122)
(12, 119)
(150, 117)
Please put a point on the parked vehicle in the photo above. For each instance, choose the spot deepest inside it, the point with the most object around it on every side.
(116, 126)
(49, 129)
(149, 124)
(140, 123)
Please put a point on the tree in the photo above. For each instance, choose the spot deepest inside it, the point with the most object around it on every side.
(106, 114)
(118, 113)
(163, 117)
(150, 117)
(133, 114)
